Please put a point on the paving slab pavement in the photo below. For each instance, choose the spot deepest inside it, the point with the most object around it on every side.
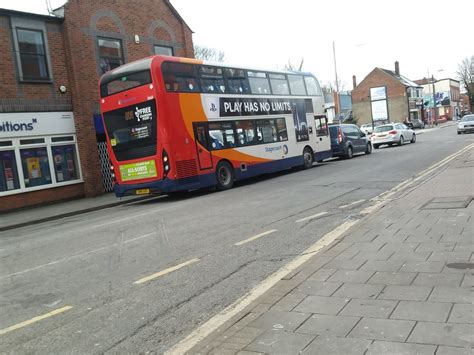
(401, 281)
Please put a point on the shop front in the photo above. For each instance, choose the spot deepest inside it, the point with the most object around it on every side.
(39, 160)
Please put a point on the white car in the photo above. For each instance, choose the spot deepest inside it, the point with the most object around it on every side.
(392, 133)
(367, 129)
(466, 124)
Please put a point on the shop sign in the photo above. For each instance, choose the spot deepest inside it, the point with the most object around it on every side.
(26, 124)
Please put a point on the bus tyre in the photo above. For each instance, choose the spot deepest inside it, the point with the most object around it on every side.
(308, 158)
(224, 176)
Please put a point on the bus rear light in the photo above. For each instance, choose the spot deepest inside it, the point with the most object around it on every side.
(151, 86)
(166, 163)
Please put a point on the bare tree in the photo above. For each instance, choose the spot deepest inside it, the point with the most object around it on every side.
(291, 66)
(210, 54)
(466, 75)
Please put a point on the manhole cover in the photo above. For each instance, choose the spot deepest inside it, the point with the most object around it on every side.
(450, 202)
(462, 266)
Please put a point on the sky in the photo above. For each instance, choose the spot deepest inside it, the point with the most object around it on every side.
(427, 37)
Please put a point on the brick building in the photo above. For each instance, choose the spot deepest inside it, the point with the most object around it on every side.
(49, 72)
(386, 96)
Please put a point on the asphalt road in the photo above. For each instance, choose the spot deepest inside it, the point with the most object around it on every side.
(96, 262)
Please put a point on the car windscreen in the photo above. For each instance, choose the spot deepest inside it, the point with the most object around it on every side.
(383, 128)
(132, 130)
(125, 82)
(468, 118)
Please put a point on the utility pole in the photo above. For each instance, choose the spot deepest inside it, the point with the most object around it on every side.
(338, 108)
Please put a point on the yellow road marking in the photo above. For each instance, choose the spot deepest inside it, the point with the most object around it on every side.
(166, 271)
(311, 217)
(34, 320)
(255, 237)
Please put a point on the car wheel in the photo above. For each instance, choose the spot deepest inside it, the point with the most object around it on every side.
(376, 146)
(413, 139)
(459, 132)
(401, 141)
(368, 150)
(350, 152)
(308, 158)
(224, 176)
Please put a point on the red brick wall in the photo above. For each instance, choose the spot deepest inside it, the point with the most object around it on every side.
(396, 93)
(134, 18)
(12, 88)
(12, 202)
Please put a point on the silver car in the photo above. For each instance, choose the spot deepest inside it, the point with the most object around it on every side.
(366, 128)
(466, 124)
(392, 133)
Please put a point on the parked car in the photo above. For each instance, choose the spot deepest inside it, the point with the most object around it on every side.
(347, 140)
(466, 124)
(417, 123)
(367, 128)
(393, 133)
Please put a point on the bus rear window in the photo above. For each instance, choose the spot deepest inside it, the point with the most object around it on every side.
(125, 82)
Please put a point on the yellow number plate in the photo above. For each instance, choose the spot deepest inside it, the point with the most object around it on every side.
(142, 192)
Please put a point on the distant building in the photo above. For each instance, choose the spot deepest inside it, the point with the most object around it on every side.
(447, 97)
(386, 96)
(50, 147)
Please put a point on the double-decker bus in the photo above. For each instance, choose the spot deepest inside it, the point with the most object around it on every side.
(175, 124)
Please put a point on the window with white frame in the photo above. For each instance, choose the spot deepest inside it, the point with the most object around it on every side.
(33, 163)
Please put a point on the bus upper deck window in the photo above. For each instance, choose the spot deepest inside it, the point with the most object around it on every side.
(179, 77)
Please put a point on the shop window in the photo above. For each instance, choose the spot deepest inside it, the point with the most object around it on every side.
(110, 54)
(8, 171)
(163, 50)
(32, 54)
(65, 163)
(35, 165)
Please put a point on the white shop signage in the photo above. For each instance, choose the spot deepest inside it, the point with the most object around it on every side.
(27, 124)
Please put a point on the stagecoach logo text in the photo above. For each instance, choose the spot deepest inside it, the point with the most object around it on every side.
(143, 114)
(247, 107)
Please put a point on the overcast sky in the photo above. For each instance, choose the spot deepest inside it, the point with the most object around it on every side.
(423, 35)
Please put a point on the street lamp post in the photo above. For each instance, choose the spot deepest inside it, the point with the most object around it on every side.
(435, 118)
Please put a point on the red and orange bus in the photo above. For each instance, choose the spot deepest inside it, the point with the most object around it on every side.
(175, 124)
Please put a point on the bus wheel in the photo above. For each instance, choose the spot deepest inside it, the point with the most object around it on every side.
(224, 176)
(308, 158)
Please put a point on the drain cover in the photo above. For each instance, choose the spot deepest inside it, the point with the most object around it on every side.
(462, 266)
(441, 203)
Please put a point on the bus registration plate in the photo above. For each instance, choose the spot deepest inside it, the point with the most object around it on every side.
(142, 191)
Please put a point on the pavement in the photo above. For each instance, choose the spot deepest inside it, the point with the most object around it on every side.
(44, 213)
(399, 281)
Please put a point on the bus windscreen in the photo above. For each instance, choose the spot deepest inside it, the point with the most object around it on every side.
(125, 82)
(132, 130)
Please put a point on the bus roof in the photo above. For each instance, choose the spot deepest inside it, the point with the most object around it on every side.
(126, 69)
(145, 63)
